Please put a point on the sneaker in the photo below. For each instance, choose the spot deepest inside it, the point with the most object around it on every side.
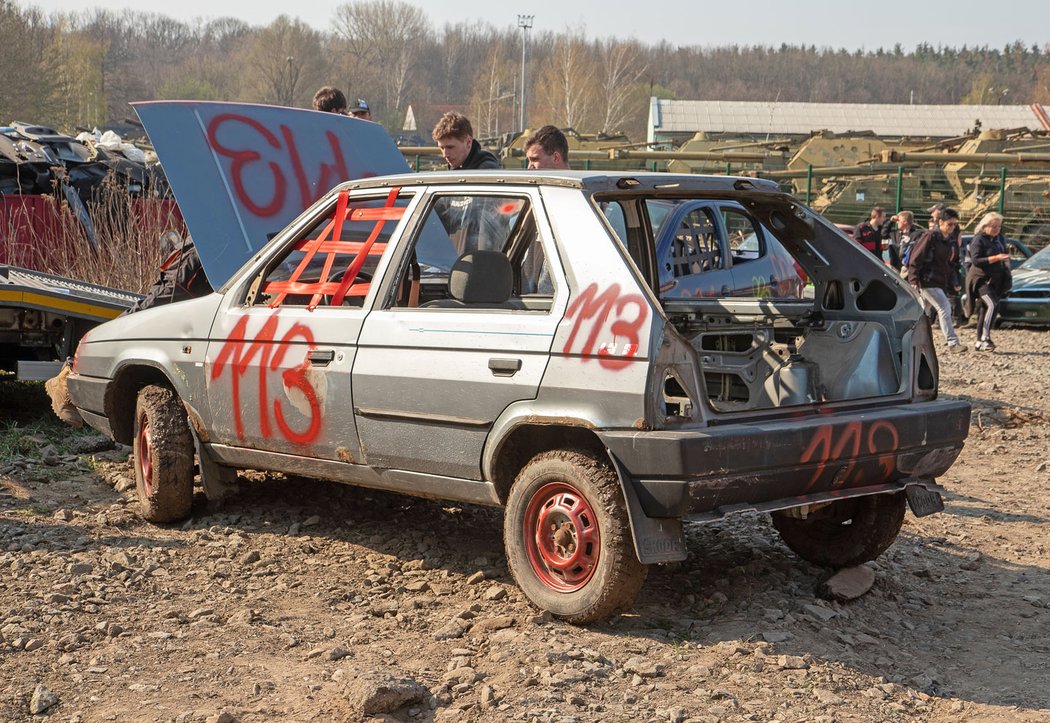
(957, 348)
(985, 345)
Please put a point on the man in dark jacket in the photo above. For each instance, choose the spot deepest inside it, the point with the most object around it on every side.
(870, 233)
(930, 265)
(455, 137)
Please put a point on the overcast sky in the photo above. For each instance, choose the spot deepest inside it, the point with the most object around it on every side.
(680, 22)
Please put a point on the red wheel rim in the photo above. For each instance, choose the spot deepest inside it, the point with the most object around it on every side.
(562, 537)
(144, 457)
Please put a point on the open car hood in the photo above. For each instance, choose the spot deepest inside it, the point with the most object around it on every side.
(241, 172)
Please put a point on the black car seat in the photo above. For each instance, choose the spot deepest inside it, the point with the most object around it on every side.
(480, 279)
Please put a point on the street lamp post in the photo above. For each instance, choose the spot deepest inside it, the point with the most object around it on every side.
(525, 23)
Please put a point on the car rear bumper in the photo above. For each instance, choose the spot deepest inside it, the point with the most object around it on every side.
(772, 464)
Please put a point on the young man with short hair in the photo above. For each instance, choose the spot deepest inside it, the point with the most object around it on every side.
(547, 148)
(329, 100)
(455, 137)
(930, 265)
(870, 233)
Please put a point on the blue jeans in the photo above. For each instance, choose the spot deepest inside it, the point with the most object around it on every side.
(937, 299)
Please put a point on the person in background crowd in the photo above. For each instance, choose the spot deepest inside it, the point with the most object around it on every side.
(330, 100)
(956, 278)
(547, 148)
(455, 137)
(901, 237)
(870, 233)
(989, 277)
(929, 267)
(360, 110)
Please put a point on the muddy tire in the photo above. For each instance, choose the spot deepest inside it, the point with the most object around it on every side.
(568, 539)
(845, 533)
(162, 456)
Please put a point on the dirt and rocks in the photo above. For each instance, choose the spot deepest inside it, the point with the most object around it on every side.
(307, 601)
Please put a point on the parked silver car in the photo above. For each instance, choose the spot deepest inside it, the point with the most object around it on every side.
(513, 339)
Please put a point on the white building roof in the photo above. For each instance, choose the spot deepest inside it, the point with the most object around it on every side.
(690, 116)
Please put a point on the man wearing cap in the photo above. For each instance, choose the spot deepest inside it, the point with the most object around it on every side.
(360, 110)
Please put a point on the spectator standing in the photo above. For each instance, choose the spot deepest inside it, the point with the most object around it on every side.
(956, 277)
(330, 100)
(930, 265)
(870, 233)
(547, 148)
(989, 277)
(361, 110)
(900, 238)
(455, 137)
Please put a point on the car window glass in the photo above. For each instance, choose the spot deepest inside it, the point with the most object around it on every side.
(659, 211)
(454, 252)
(614, 214)
(333, 262)
(694, 248)
(745, 242)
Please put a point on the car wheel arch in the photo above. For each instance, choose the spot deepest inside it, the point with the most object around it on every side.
(525, 441)
(123, 392)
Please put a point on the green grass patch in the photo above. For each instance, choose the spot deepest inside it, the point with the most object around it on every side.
(26, 420)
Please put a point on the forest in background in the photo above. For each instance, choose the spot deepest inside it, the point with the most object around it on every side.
(80, 70)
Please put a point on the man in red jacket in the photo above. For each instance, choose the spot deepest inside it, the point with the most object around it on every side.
(870, 233)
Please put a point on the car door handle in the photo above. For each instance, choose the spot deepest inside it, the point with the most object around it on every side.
(504, 367)
(321, 357)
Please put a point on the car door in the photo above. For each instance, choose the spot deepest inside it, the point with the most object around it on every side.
(430, 380)
(692, 257)
(282, 349)
(761, 266)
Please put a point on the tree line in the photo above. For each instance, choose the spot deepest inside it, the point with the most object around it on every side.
(76, 70)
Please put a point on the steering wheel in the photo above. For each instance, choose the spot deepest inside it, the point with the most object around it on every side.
(338, 276)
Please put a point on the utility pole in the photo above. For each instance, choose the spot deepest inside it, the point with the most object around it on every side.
(525, 23)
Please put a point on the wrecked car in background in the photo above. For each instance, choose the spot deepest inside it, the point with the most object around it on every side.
(512, 339)
(1028, 300)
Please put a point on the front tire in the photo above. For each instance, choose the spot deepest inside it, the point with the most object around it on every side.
(163, 456)
(568, 538)
(845, 533)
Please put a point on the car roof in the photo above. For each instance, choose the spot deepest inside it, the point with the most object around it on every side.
(588, 180)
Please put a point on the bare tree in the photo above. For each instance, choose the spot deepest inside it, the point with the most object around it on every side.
(567, 83)
(286, 61)
(619, 69)
(492, 102)
(385, 37)
(28, 88)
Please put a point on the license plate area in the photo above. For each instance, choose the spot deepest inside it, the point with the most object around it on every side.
(922, 501)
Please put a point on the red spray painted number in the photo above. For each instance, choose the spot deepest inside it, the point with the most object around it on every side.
(247, 160)
(239, 351)
(594, 311)
(881, 438)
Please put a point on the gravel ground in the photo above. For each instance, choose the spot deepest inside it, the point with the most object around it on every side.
(307, 601)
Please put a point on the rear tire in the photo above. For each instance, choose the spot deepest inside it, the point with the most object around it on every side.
(568, 538)
(845, 533)
(163, 456)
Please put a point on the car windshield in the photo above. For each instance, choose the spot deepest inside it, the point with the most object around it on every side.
(1040, 261)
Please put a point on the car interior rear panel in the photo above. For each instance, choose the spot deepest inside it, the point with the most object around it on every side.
(780, 308)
